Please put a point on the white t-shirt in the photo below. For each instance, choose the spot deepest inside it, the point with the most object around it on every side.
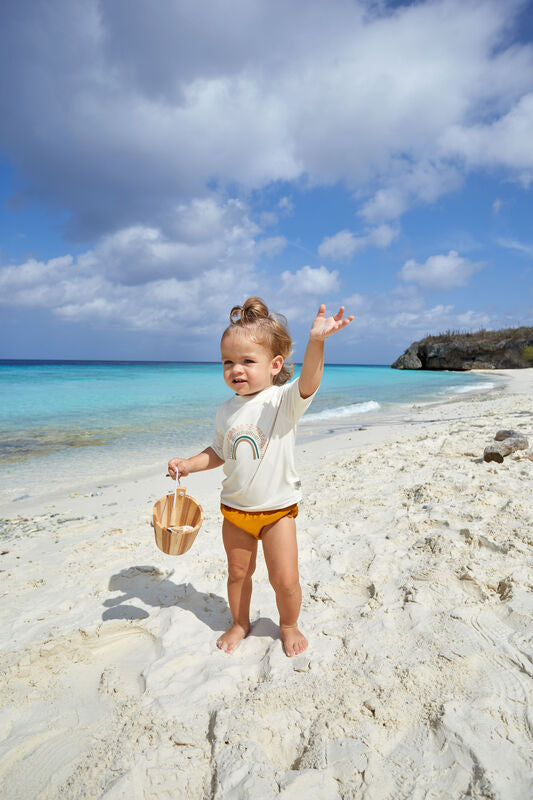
(260, 478)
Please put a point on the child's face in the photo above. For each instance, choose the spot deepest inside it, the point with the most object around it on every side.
(248, 366)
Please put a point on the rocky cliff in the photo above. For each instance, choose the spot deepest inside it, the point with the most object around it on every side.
(506, 349)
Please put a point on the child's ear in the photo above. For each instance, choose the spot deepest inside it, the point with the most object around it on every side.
(277, 364)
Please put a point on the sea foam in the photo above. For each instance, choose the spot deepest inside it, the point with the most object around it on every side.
(477, 388)
(343, 411)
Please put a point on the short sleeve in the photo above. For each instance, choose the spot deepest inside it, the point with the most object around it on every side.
(218, 440)
(293, 403)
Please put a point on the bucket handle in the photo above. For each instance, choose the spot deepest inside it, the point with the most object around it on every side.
(180, 490)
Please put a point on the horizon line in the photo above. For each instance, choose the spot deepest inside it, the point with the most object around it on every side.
(147, 361)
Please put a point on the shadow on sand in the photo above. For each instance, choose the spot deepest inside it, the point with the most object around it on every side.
(151, 585)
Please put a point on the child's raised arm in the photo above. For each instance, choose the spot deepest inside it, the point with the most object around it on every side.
(207, 459)
(313, 363)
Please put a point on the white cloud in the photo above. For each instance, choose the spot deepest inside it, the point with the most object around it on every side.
(354, 303)
(388, 203)
(141, 278)
(505, 142)
(268, 218)
(188, 308)
(382, 236)
(182, 279)
(389, 100)
(514, 244)
(496, 206)
(405, 298)
(340, 246)
(440, 271)
(308, 280)
(344, 244)
(14, 279)
(397, 101)
(197, 237)
(393, 319)
(407, 184)
(286, 205)
(271, 246)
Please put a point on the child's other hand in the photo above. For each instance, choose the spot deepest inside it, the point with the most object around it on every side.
(325, 326)
(178, 465)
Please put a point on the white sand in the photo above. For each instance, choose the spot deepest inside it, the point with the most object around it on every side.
(417, 577)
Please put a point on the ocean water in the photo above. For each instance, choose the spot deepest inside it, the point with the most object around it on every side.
(87, 419)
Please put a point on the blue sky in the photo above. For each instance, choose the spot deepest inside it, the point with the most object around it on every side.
(161, 162)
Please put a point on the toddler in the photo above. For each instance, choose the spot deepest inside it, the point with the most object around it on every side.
(254, 440)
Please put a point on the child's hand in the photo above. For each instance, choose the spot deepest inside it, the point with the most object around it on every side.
(178, 465)
(323, 327)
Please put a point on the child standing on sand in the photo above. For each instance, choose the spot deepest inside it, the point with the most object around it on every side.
(254, 440)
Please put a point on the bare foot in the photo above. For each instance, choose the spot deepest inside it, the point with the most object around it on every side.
(229, 640)
(294, 642)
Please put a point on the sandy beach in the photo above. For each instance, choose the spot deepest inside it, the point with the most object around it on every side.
(416, 570)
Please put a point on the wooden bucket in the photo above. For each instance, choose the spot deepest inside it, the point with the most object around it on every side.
(171, 513)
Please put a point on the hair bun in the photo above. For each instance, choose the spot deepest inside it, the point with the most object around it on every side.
(268, 330)
(253, 310)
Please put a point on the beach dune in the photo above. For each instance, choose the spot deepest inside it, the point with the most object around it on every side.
(416, 569)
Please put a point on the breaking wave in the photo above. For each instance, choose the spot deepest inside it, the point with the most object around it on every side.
(343, 411)
(477, 388)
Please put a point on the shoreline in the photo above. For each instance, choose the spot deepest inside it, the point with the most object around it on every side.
(414, 561)
(401, 413)
(313, 431)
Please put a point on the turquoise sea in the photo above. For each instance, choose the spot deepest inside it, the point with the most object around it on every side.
(86, 417)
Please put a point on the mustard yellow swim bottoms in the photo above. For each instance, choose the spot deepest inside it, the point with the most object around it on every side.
(254, 521)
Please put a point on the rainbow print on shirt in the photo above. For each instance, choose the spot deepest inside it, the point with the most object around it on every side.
(249, 437)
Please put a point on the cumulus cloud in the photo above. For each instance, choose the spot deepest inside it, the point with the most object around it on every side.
(118, 122)
(382, 236)
(399, 320)
(180, 278)
(147, 278)
(505, 142)
(388, 321)
(407, 184)
(195, 238)
(344, 244)
(74, 291)
(440, 271)
(139, 133)
(340, 246)
(308, 280)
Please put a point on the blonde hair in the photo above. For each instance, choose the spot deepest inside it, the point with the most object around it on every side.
(265, 328)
